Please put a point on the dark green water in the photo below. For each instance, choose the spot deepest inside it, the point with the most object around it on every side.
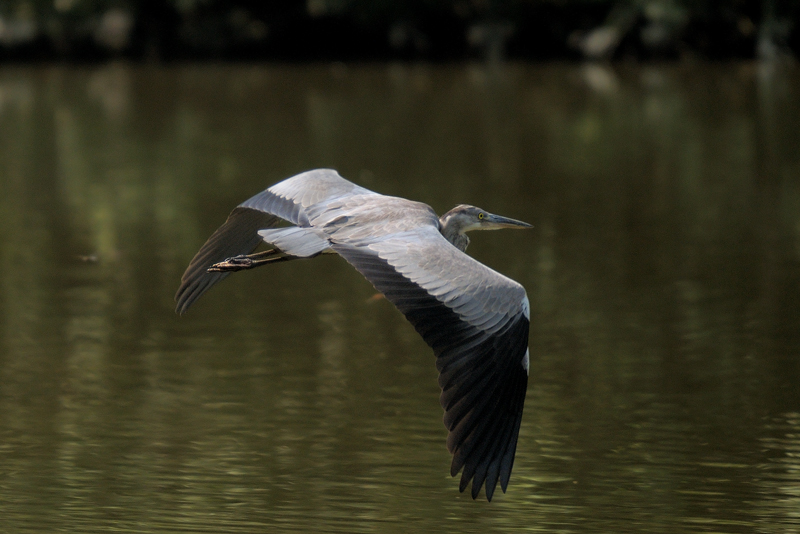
(663, 273)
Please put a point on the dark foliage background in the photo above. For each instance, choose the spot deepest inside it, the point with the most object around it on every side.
(436, 30)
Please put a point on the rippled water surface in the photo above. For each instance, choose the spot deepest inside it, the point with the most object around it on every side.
(663, 273)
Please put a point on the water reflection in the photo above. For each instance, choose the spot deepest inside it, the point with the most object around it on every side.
(663, 276)
(780, 485)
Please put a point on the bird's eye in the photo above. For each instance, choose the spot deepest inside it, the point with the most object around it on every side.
(480, 216)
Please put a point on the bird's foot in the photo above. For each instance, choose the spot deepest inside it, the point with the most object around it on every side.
(236, 263)
(249, 261)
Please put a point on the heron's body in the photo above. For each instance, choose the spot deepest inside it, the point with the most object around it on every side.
(474, 318)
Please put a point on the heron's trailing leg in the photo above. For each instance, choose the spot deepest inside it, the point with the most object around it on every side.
(249, 261)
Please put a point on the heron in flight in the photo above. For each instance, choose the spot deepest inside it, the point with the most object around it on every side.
(475, 319)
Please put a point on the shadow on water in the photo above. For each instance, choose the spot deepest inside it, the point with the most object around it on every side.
(663, 273)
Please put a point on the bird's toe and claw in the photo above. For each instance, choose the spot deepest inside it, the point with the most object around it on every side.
(236, 263)
(247, 261)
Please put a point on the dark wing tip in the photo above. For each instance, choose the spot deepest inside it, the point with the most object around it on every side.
(238, 235)
(485, 418)
(193, 287)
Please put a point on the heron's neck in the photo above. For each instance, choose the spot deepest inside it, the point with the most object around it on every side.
(454, 234)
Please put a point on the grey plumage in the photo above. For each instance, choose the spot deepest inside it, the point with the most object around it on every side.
(475, 319)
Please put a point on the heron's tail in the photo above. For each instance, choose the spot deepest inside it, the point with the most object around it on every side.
(296, 241)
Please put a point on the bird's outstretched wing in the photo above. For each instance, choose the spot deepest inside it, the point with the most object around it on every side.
(476, 320)
(288, 200)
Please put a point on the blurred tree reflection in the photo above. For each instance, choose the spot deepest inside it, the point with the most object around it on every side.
(386, 29)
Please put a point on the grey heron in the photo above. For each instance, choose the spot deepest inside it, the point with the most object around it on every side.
(475, 319)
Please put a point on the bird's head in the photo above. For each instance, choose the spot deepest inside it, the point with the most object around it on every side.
(464, 218)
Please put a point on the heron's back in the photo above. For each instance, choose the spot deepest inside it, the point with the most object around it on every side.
(361, 218)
